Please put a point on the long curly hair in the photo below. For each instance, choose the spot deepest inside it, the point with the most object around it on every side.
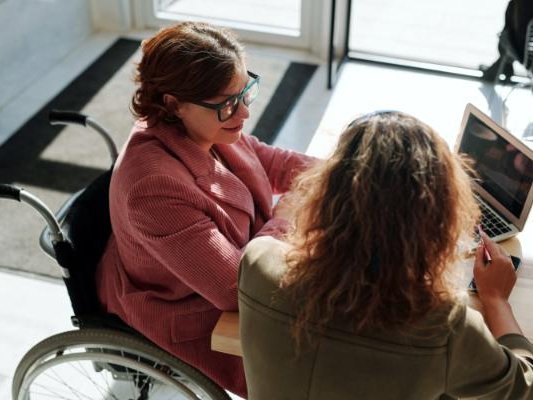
(377, 227)
(192, 61)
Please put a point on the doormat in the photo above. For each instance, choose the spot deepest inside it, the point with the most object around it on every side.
(54, 161)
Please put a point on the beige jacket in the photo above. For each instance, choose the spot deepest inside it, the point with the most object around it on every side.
(456, 357)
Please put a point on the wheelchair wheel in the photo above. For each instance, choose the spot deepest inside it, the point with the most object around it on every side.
(107, 364)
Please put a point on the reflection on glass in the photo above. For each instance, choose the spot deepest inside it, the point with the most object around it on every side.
(453, 32)
(262, 15)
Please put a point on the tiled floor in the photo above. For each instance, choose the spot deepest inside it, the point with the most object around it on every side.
(32, 309)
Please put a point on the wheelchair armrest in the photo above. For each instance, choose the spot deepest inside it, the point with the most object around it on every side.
(45, 241)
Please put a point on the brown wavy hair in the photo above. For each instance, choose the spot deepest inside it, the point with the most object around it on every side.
(192, 61)
(377, 227)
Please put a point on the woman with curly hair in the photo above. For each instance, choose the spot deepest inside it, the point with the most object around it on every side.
(363, 299)
(187, 193)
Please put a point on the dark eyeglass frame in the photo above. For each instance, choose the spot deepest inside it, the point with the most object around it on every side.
(231, 100)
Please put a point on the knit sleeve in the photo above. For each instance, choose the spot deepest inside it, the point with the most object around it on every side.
(170, 225)
(480, 367)
(275, 227)
(280, 165)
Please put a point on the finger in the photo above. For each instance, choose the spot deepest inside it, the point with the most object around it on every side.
(480, 258)
(491, 247)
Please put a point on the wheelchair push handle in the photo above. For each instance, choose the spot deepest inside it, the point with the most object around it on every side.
(60, 117)
(12, 192)
(9, 192)
(65, 117)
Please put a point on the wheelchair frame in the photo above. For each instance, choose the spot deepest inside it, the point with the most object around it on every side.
(103, 348)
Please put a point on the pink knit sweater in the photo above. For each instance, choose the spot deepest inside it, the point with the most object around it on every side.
(180, 220)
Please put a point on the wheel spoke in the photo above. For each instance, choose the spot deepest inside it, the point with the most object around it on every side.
(50, 393)
(55, 377)
(133, 394)
(102, 390)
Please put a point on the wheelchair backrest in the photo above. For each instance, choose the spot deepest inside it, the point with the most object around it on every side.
(86, 228)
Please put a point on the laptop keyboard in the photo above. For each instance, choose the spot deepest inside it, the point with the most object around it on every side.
(492, 224)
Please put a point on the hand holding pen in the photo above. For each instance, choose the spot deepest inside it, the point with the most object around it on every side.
(486, 255)
(494, 273)
(495, 282)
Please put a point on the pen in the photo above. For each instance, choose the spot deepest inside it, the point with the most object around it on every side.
(487, 257)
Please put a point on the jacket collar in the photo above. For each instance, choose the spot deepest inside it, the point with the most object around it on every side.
(211, 176)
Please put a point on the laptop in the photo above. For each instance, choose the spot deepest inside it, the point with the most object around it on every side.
(504, 168)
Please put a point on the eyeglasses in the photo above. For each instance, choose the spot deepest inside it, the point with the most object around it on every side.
(228, 107)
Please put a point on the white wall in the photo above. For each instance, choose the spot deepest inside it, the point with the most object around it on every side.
(34, 36)
(112, 15)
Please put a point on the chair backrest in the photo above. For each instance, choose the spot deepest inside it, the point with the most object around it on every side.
(86, 228)
(528, 48)
(515, 39)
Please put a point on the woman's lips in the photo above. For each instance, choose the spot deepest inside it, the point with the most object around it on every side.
(234, 128)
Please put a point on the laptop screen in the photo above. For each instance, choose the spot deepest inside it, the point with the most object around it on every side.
(504, 172)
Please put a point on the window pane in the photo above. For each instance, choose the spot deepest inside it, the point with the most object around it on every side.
(452, 32)
(277, 16)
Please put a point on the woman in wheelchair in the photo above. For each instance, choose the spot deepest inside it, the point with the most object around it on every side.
(187, 193)
(362, 300)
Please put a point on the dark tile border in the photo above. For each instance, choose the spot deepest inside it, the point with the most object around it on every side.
(19, 155)
(289, 90)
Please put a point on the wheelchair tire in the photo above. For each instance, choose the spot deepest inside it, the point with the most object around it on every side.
(107, 364)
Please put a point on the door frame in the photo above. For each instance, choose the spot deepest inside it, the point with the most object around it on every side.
(397, 62)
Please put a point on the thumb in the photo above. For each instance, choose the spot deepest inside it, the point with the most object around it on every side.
(479, 260)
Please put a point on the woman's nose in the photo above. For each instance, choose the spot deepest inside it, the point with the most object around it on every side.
(243, 111)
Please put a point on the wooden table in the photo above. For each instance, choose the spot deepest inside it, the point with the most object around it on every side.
(225, 337)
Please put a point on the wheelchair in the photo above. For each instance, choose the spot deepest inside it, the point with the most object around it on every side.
(103, 358)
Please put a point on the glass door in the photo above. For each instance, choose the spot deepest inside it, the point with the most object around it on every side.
(276, 22)
(452, 35)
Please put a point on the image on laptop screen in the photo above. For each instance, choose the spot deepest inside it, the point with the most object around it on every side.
(503, 170)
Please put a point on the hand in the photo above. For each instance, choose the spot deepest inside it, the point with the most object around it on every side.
(494, 280)
(283, 209)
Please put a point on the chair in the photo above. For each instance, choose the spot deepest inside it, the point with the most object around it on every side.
(104, 358)
(515, 42)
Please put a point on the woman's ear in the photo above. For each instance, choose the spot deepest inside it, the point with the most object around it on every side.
(171, 104)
